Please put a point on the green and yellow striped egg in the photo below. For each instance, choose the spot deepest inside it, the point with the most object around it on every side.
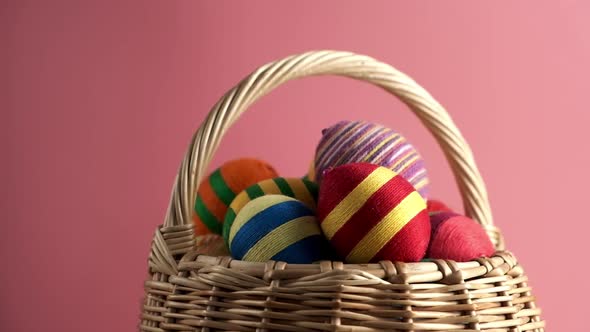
(217, 191)
(300, 189)
(310, 176)
(277, 227)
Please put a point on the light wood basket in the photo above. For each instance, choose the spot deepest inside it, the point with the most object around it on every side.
(193, 286)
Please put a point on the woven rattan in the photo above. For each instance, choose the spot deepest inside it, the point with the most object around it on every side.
(193, 286)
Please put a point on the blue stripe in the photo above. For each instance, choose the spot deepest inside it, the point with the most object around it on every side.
(309, 250)
(264, 222)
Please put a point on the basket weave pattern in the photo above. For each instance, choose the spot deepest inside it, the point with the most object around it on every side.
(187, 290)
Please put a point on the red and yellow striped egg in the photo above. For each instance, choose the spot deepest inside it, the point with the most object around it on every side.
(369, 213)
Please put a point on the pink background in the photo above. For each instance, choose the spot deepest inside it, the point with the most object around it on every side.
(99, 101)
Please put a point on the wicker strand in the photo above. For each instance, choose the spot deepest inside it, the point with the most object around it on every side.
(489, 293)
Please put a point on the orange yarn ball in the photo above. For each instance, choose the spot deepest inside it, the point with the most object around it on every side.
(217, 191)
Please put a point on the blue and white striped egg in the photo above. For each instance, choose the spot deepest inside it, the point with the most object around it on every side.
(280, 228)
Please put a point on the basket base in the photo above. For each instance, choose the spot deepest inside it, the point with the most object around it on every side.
(222, 294)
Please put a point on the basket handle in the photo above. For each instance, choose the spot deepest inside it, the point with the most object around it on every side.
(228, 109)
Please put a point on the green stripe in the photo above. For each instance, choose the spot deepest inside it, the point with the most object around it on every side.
(230, 216)
(305, 178)
(254, 191)
(206, 217)
(284, 187)
(225, 194)
(312, 187)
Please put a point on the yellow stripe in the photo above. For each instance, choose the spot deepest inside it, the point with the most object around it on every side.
(331, 139)
(403, 160)
(380, 145)
(301, 192)
(311, 170)
(282, 237)
(250, 210)
(359, 139)
(416, 175)
(387, 228)
(269, 187)
(393, 145)
(240, 201)
(407, 163)
(355, 200)
(421, 184)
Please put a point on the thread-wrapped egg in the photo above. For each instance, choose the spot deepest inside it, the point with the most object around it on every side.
(277, 227)
(457, 237)
(310, 176)
(211, 245)
(436, 206)
(218, 190)
(369, 213)
(364, 142)
(300, 189)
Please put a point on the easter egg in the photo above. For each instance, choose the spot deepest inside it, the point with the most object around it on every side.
(435, 206)
(310, 176)
(300, 189)
(459, 238)
(364, 142)
(217, 191)
(277, 227)
(369, 213)
(211, 245)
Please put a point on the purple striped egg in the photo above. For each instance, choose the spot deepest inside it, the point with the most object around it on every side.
(360, 141)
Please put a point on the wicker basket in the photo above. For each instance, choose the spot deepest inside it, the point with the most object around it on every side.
(187, 290)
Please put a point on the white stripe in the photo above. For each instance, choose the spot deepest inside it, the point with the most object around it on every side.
(399, 152)
(327, 160)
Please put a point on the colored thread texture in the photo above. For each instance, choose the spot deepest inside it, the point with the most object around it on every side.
(277, 227)
(217, 191)
(361, 141)
(370, 213)
(300, 189)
